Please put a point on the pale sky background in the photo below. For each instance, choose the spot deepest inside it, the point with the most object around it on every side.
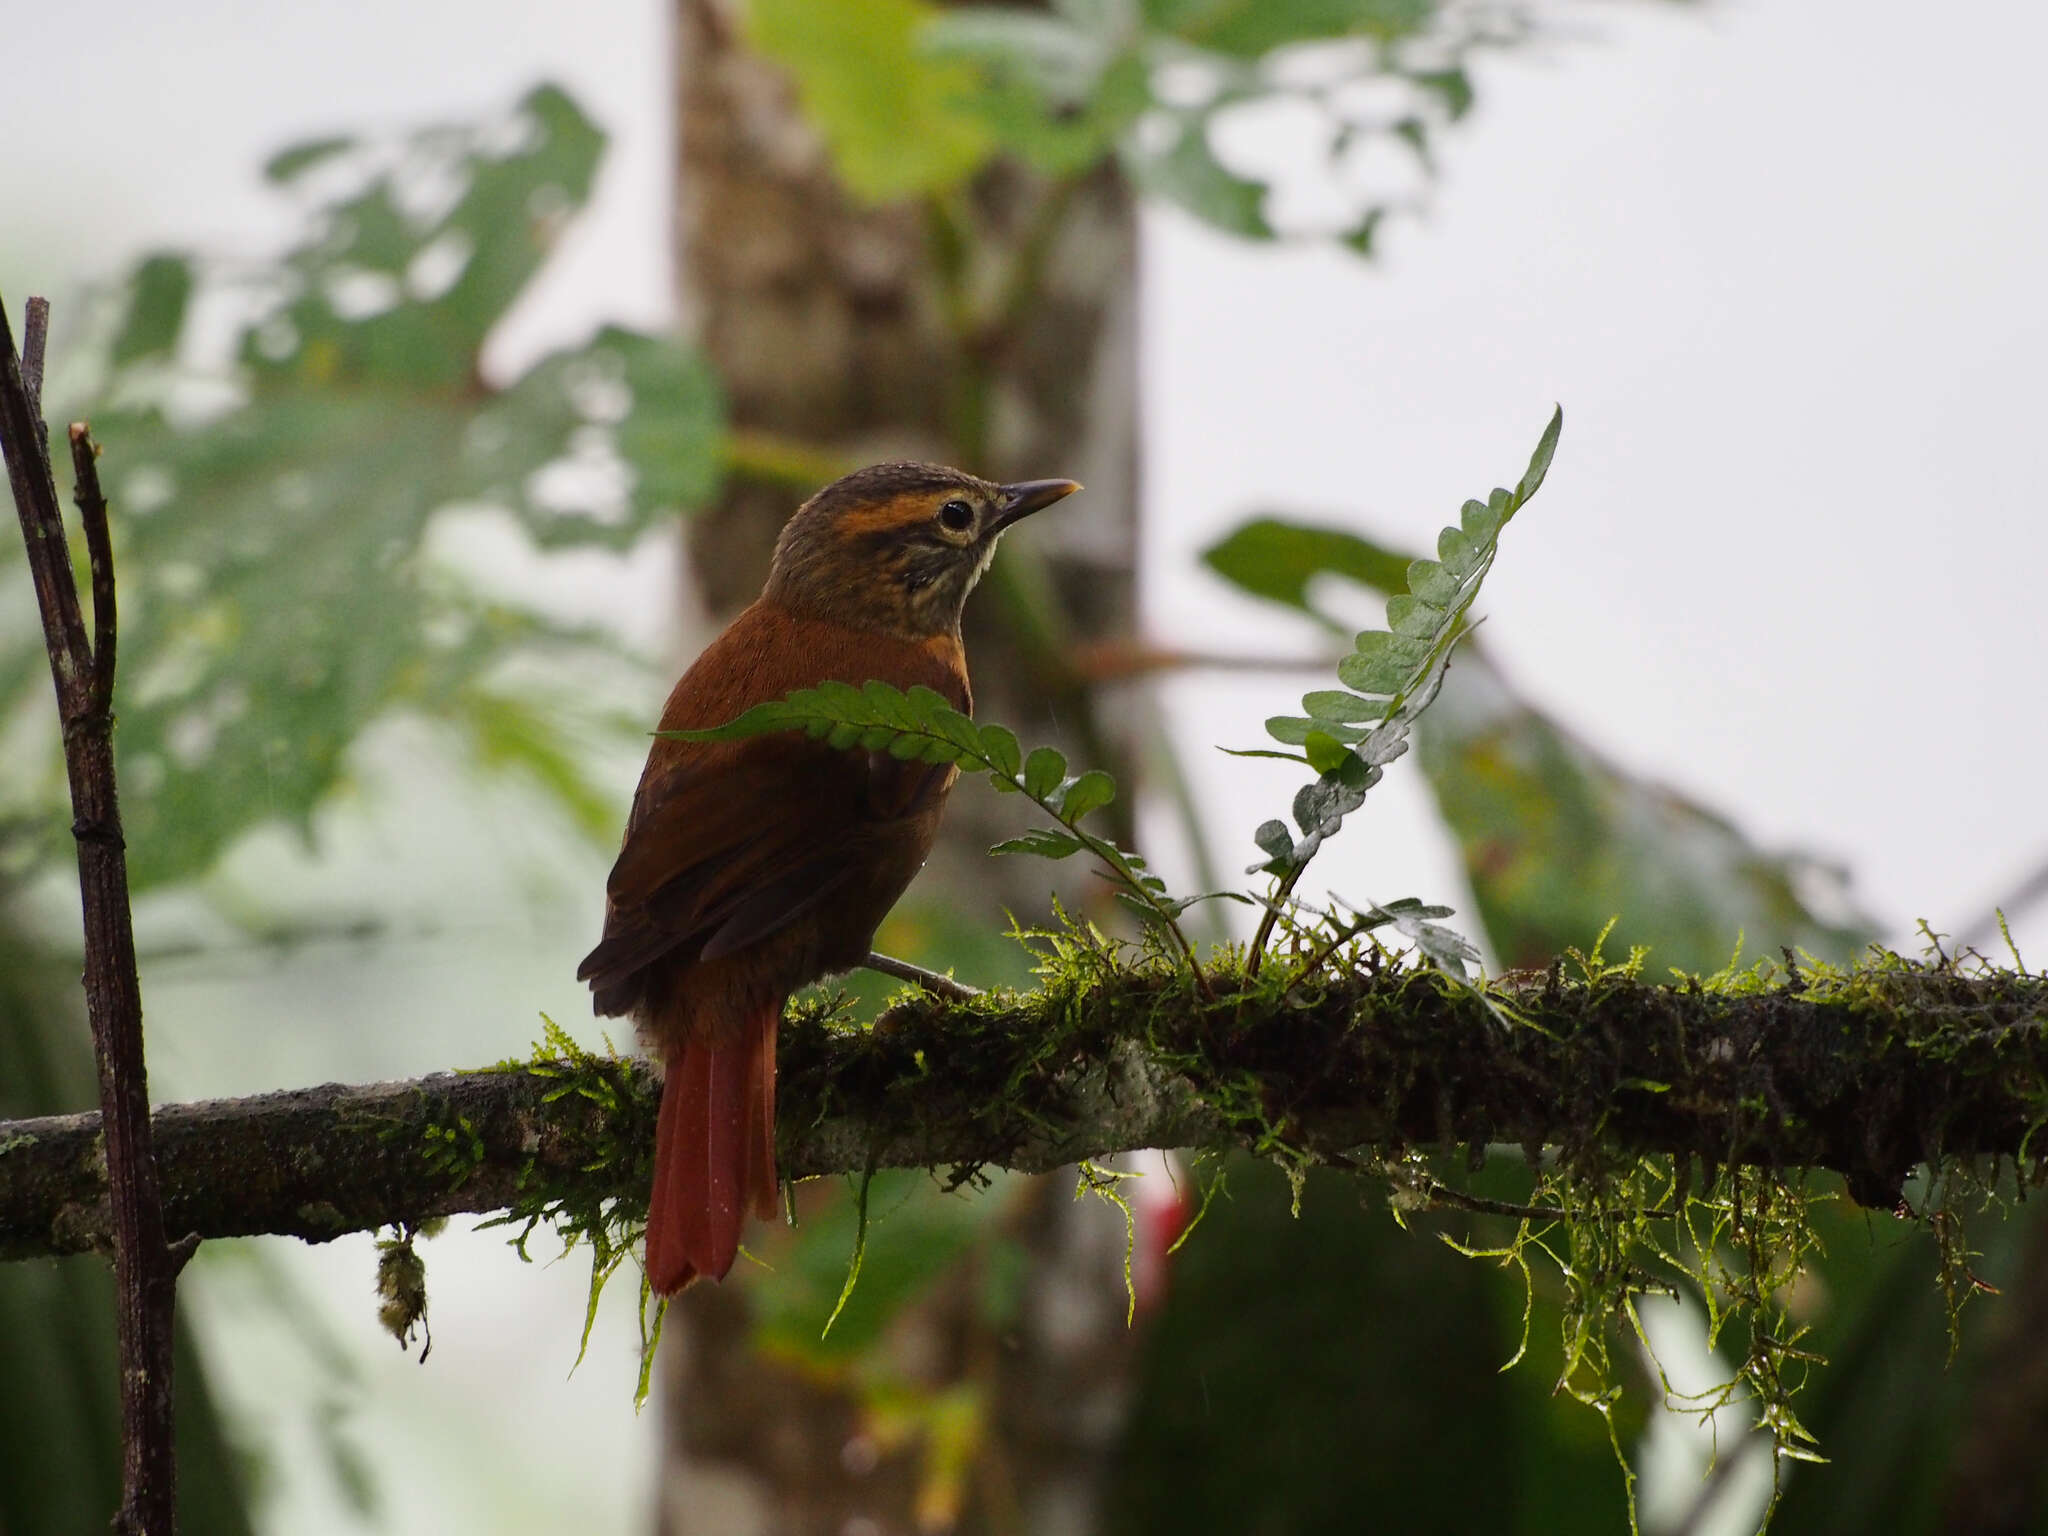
(1781, 262)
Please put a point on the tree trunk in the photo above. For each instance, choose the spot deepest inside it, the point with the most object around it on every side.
(870, 333)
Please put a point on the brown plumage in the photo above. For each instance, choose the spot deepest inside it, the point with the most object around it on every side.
(752, 868)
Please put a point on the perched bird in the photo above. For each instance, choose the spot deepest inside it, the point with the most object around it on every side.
(752, 868)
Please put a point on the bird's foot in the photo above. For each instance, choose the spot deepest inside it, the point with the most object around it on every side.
(939, 986)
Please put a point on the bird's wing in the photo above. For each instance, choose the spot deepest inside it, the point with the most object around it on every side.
(729, 842)
(725, 853)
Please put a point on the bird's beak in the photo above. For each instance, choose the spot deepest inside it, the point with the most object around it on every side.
(1029, 496)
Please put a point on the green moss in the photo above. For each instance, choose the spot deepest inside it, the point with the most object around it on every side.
(614, 1137)
(402, 1291)
(454, 1149)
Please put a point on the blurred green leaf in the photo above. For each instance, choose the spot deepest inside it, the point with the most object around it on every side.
(1252, 28)
(518, 727)
(289, 164)
(898, 118)
(1050, 90)
(1188, 173)
(1557, 840)
(1360, 237)
(640, 418)
(157, 296)
(1276, 558)
(1454, 86)
(394, 289)
(278, 597)
(916, 1231)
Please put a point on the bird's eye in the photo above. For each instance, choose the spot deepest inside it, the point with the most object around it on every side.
(956, 517)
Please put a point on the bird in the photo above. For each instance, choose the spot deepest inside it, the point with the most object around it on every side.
(751, 868)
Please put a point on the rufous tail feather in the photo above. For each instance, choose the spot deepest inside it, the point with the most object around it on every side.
(714, 1153)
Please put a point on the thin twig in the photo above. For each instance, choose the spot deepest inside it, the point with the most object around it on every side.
(1187, 950)
(145, 1269)
(1166, 764)
(1315, 961)
(35, 499)
(35, 340)
(931, 981)
(1256, 956)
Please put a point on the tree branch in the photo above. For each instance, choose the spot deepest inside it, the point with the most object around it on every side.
(145, 1268)
(1869, 1073)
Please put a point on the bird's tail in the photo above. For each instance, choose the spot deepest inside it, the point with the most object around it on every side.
(714, 1152)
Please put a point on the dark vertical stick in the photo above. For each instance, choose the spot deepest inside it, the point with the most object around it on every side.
(35, 498)
(35, 337)
(145, 1267)
(99, 548)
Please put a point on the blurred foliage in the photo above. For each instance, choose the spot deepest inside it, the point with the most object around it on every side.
(899, 120)
(1357, 1384)
(274, 495)
(1277, 559)
(914, 99)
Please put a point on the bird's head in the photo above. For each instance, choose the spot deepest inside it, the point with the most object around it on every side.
(897, 547)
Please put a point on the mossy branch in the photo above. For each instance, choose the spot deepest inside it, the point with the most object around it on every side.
(1868, 1072)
